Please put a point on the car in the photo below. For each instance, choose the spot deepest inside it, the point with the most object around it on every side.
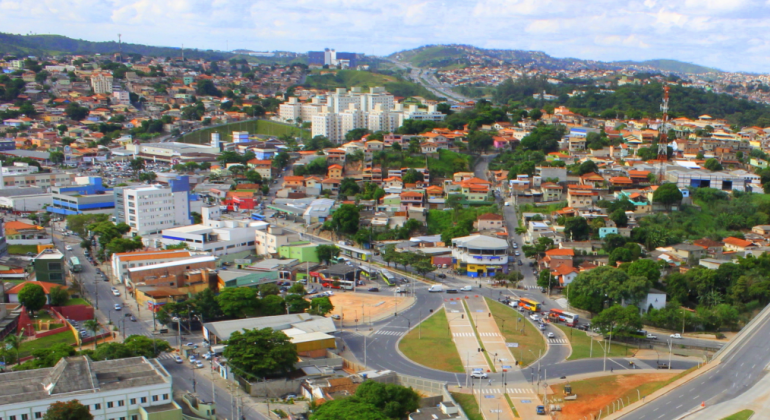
(118, 307)
(398, 290)
(451, 290)
(517, 253)
(542, 327)
(466, 288)
(105, 279)
(551, 335)
(515, 246)
(374, 289)
(192, 358)
(191, 344)
(133, 318)
(519, 262)
(651, 336)
(534, 317)
(178, 359)
(68, 248)
(479, 374)
(441, 276)
(677, 335)
(207, 356)
(507, 204)
(540, 410)
(199, 365)
(336, 316)
(116, 292)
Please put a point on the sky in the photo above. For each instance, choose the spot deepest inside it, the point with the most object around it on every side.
(730, 35)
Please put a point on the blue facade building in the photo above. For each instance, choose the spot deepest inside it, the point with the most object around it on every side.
(88, 198)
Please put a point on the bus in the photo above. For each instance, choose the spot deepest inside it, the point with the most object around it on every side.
(338, 284)
(388, 277)
(369, 272)
(568, 318)
(529, 305)
(74, 264)
(258, 217)
(353, 252)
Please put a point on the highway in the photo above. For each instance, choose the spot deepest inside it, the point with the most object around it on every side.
(428, 79)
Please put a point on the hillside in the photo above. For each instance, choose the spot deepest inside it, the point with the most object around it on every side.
(668, 65)
(351, 78)
(61, 45)
(452, 56)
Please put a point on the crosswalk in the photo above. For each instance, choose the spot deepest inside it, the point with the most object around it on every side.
(165, 356)
(485, 390)
(470, 334)
(530, 287)
(388, 332)
(558, 341)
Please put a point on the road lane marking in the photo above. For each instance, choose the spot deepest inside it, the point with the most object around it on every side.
(678, 406)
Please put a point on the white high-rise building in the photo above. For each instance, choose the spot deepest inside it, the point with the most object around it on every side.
(152, 208)
(101, 83)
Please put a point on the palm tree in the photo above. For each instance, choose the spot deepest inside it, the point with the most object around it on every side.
(14, 341)
(93, 326)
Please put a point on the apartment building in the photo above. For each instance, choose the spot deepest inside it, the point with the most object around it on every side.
(268, 241)
(125, 389)
(152, 208)
(101, 83)
(42, 180)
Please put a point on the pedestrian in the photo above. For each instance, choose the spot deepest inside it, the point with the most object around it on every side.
(611, 369)
(490, 382)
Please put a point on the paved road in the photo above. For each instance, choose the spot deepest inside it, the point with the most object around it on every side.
(428, 80)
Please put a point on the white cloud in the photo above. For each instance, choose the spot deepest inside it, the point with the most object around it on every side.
(728, 34)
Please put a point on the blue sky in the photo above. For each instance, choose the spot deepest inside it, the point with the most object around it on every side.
(726, 34)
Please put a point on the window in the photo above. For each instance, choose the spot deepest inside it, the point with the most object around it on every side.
(122, 418)
(12, 418)
(109, 404)
(121, 403)
(54, 266)
(134, 417)
(154, 398)
(38, 415)
(165, 396)
(132, 401)
(97, 406)
(24, 417)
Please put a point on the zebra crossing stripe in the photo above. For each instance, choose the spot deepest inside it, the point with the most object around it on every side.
(386, 332)
(517, 391)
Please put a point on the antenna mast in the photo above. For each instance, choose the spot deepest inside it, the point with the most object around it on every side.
(663, 139)
(120, 49)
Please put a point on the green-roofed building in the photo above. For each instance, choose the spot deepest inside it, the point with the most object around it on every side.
(303, 251)
(232, 279)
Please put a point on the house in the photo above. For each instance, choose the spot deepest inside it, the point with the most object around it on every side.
(564, 274)
(410, 200)
(738, 245)
(689, 253)
(13, 293)
(581, 197)
(655, 299)
(551, 191)
(335, 171)
(711, 246)
(488, 221)
(761, 229)
(554, 258)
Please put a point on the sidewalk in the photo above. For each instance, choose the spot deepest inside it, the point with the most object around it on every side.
(464, 337)
(491, 338)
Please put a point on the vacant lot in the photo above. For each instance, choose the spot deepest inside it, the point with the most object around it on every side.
(596, 393)
(28, 345)
(431, 345)
(366, 307)
(516, 329)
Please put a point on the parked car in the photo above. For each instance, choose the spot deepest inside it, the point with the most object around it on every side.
(335, 316)
(451, 290)
(68, 248)
(133, 318)
(178, 359)
(677, 335)
(207, 356)
(534, 317)
(441, 276)
(466, 288)
(118, 307)
(116, 292)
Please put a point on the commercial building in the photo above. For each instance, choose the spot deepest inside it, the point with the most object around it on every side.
(189, 275)
(218, 237)
(88, 197)
(173, 151)
(240, 136)
(301, 251)
(479, 255)
(122, 261)
(26, 199)
(269, 240)
(307, 332)
(42, 180)
(152, 208)
(330, 57)
(739, 180)
(50, 266)
(125, 389)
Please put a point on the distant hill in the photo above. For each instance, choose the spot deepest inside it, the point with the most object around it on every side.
(458, 56)
(669, 66)
(62, 45)
(393, 83)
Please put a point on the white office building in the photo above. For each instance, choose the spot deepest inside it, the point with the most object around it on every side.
(153, 208)
(101, 83)
(218, 237)
(125, 389)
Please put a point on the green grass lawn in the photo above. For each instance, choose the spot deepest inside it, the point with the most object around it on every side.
(77, 301)
(741, 415)
(28, 346)
(510, 321)
(581, 345)
(435, 349)
(469, 405)
(22, 249)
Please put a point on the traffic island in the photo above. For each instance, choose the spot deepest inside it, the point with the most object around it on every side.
(586, 346)
(530, 343)
(741, 415)
(430, 344)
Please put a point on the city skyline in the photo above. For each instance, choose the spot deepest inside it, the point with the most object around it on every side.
(715, 33)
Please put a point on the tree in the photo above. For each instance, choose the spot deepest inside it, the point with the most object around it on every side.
(32, 296)
(296, 303)
(395, 401)
(587, 167)
(347, 409)
(56, 158)
(272, 305)
(345, 220)
(68, 410)
(712, 165)
(349, 187)
(238, 302)
(93, 326)
(281, 159)
(261, 352)
(76, 112)
(148, 177)
(207, 306)
(412, 176)
(13, 341)
(618, 320)
(253, 176)
(47, 357)
(297, 288)
(645, 268)
(591, 290)
(136, 165)
(268, 289)
(576, 228)
(320, 306)
(545, 279)
(389, 254)
(327, 252)
(58, 296)
(206, 87)
(423, 266)
(619, 217)
(132, 346)
(667, 194)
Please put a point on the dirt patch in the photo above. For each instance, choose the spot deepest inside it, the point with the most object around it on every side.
(366, 307)
(597, 393)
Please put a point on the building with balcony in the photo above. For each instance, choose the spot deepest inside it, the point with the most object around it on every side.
(479, 255)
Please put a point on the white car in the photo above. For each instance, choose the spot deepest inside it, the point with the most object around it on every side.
(534, 317)
(116, 292)
(677, 335)
(479, 374)
(517, 253)
(207, 356)
(551, 335)
(199, 365)
(178, 359)
(118, 307)
(652, 337)
(466, 288)
(68, 248)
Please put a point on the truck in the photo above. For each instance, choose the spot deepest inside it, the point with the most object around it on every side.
(218, 349)
(435, 288)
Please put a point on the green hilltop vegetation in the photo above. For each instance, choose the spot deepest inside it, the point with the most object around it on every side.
(62, 45)
(393, 83)
(263, 127)
(439, 56)
(669, 65)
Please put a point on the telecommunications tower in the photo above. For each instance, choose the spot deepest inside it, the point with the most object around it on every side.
(663, 139)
